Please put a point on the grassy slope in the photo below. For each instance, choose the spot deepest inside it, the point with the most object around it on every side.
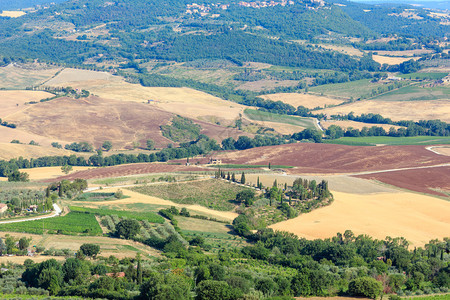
(387, 140)
(214, 194)
(258, 115)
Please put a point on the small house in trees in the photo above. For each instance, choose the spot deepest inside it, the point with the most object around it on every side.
(3, 208)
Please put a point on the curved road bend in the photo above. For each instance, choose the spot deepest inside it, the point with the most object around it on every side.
(56, 213)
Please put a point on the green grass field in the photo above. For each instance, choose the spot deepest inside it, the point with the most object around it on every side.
(72, 223)
(431, 76)
(214, 194)
(149, 216)
(355, 89)
(429, 297)
(416, 93)
(259, 115)
(387, 140)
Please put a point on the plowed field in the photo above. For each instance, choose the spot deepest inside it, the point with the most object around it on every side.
(435, 181)
(326, 158)
(131, 169)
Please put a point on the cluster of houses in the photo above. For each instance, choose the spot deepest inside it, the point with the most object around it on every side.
(204, 9)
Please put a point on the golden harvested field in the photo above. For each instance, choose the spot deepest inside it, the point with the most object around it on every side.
(306, 100)
(398, 110)
(416, 217)
(18, 77)
(9, 151)
(50, 172)
(354, 124)
(281, 128)
(141, 198)
(14, 101)
(390, 60)
(343, 49)
(405, 52)
(12, 13)
(444, 150)
(96, 120)
(9, 134)
(183, 101)
(338, 183)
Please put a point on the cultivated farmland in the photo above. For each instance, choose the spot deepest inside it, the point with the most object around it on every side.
(327, 158)
(416, 217)
(397, 110)
(15, 76)
(306, 100)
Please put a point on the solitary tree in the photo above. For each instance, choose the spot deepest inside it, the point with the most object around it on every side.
(66, 169)
(107, 145)
(127, 228)
(243, 178)
(90, 250)
(151, 145)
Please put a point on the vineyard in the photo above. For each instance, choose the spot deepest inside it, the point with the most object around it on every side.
(140, 216)
(72, 224)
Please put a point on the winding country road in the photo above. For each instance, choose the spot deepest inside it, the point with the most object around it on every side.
(56, 213)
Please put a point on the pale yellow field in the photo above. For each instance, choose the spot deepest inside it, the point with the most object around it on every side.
(306, 100)
(405, 52)
(354, 124)
(398, 110)
(12, 13)
(390, 60)
(9, 134)
(444, 150)
(108, 246)
(343, 49)
(141, 198)
(339, 183)
(279, 127)
(416, 217)
(50, 172)
(183, 101)
(9, 151)
(15, 76)
(14, 101)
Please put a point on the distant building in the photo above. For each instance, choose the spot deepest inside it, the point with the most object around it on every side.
(214, 161)
(3, 208)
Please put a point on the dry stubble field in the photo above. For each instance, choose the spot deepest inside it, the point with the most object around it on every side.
(306, 100)
(418, 218)
(9, 151)
(355, 125)
(397, 110)
(183, 101)
(16, 77)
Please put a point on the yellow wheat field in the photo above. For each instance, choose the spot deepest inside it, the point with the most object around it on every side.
(183, 101)
(416, 217)
(306, 100)
(50, 172)
(398, 110)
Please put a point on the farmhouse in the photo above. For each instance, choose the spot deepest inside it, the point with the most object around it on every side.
(214, 161)
(3, 208)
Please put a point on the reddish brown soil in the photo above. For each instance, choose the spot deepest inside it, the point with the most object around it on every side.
(327, 158)
(418, 180)
(126, 170)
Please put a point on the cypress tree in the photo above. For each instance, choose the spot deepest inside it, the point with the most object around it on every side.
(233, 177)
(243, 178)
